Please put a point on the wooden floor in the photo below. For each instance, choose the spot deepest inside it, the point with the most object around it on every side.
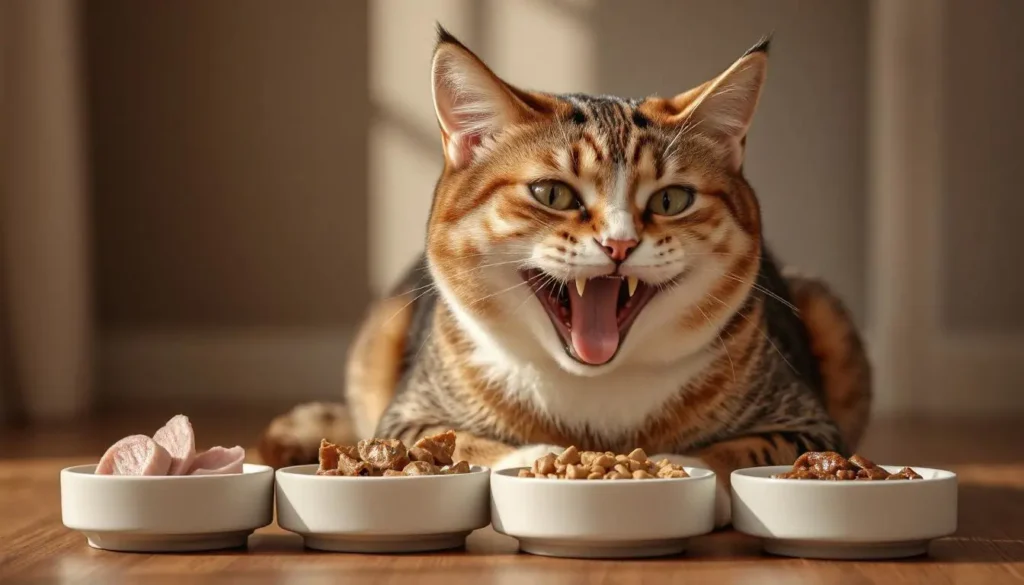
(36, 548)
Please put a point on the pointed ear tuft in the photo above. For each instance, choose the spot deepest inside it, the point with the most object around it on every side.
(443, 36)
(471, 102)
(762, 46)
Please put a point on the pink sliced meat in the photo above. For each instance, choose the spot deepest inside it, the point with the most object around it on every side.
(135, 455)
(218, 461)
(180, 441)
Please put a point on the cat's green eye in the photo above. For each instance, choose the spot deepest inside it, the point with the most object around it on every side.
(554, 194)
(671, 200)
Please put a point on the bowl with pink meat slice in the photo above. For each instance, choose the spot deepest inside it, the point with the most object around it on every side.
(159, 494)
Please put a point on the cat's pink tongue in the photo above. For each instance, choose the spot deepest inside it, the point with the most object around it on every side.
(595, 330)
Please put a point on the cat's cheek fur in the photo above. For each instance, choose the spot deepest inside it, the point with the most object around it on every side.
(723, 496)
(525, 456)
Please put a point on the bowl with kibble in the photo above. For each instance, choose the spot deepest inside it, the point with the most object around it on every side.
(603, 505)
(828, 506)
(159, 494)
(381, 496)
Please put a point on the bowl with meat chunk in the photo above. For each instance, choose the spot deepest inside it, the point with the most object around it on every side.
(159, 494)
(833, 507)
(382, 496)
(603, 505)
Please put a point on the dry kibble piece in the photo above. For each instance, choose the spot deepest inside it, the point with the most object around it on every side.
(617, 475)
(552, 476)
(663, 463)
(638, 455)
(455, 468)
(384, 453)
(587, 458)
(667, 471)
(525, 473)
(635, 465)
(546, 464)
(596, 476)
(420, 468)
(560, 468)
(575, 472)
(598, 469)
(641, 474)
(621, 459)
(393, 473)
(569, 456)
(623, 469)
(605, 460)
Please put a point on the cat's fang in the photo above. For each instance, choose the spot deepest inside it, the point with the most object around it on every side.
(631, 281)
(581, 283)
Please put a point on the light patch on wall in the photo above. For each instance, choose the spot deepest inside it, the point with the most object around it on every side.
(404, 143)
(549, 46)
(402, 175)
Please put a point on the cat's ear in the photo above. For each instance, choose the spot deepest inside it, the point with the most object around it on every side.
(471, 102)
(724, 107)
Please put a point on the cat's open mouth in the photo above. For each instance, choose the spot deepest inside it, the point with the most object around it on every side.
(593, 316)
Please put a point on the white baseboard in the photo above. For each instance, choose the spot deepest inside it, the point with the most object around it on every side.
(250, 369)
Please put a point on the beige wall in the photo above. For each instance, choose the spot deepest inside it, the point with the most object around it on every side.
(228, 146)
(267, 169)
(983, 243)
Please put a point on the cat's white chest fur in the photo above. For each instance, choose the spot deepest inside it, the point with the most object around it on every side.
(613, 404)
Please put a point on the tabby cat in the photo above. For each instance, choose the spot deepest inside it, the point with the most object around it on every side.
(595, 275)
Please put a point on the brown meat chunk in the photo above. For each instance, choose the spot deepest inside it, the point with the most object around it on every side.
(830, 466)
(455, 468)
(872, 474)
(863, 462)
(383, 454)
(441, 446)
(420, 454)
(420, 468)
(905, 473)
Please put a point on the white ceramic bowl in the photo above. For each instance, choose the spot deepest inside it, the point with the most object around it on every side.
(844, 519)
(603, 519)
(382, 514)
(166, 513)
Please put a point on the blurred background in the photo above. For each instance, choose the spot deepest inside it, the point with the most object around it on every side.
(199, 198)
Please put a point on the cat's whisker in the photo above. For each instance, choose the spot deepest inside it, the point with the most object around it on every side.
(461, 274)
(503, 291)
(763, 290)
(759, 330)
(725, 346)
(406, 305)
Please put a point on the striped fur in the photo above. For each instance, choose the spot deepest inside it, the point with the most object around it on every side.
(731, 361)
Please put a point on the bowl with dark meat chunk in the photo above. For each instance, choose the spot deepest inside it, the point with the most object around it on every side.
(383, 496)
(829, 506)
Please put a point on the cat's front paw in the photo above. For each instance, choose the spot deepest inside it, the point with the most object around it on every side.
(525, 456)
(723, 499)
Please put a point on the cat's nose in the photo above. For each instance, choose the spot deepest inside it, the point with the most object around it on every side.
(618, 250)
